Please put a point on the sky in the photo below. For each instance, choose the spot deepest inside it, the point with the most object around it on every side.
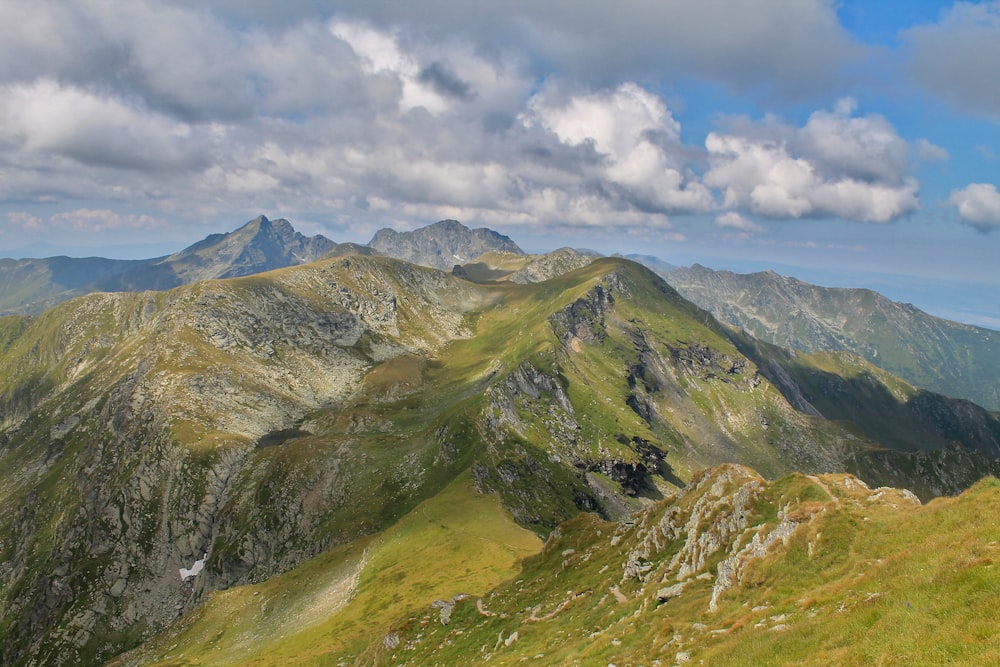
(846, 139)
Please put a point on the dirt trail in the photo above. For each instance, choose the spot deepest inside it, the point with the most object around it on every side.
(821, 484)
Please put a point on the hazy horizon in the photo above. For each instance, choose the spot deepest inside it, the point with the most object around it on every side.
(961, 301)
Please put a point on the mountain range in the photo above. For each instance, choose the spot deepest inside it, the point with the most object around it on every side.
(355, 460)
(939, 355)
(32, 285)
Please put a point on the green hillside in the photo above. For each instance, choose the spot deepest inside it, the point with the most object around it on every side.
(739, 571)
(296, 419)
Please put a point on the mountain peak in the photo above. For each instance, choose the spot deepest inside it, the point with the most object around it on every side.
(442, 245)
(449, 224)
(262, 226)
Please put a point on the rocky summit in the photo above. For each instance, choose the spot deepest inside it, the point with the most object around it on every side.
(442, 245)
(361, 460)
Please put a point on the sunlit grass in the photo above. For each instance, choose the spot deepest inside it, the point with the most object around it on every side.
(457, 542)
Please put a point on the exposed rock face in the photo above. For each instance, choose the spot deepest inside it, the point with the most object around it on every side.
(720, 512)
(584, 319)
(551, 265)
(441, 245)
(146, 455)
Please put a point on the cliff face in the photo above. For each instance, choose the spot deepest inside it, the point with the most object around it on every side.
(266, 419)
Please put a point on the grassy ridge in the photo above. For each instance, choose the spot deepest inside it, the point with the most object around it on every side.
(865, 578)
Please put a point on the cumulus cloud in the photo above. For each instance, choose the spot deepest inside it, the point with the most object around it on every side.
(978, 205)
(504, 113)
(860, 148)
(836, 165)
(637, 139)
(956, 56)
(46, 117)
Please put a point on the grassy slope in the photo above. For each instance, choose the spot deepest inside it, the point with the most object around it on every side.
(457, 542)
(866, 579)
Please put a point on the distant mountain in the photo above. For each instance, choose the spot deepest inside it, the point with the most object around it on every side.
(32, 285)
(259, 245)
(653, 262)
(946, 357)
(442, 245)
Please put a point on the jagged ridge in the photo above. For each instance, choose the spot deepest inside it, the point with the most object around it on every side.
(945, 357)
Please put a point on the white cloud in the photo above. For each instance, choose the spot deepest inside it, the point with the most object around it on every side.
(496, 113)
(978, 204)
(930, 152)
(864, 148)
(787, 47)
(637, 138)
(380, 54)
(834, 166)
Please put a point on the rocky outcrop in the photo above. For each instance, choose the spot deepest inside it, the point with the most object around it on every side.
(441, 245)
(552, 264)
(585, 318)
(721, 510)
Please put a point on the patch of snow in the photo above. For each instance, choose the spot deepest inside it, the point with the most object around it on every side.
(198, 566)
